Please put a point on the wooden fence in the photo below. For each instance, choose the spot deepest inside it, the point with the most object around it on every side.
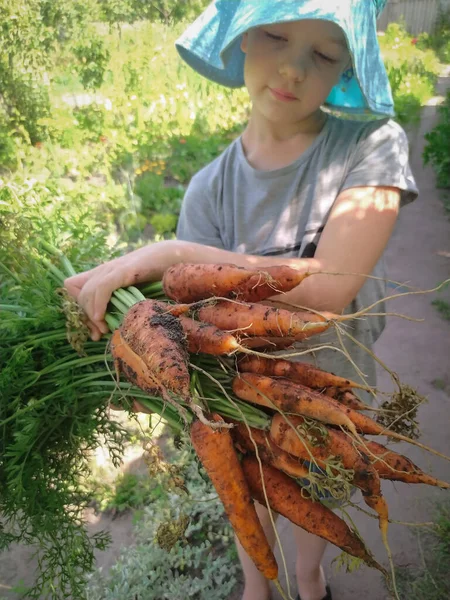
(418, 15)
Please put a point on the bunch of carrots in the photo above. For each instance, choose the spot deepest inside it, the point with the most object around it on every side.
(315, 426)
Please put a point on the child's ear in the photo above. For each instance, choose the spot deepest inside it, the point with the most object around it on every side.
(244, 42)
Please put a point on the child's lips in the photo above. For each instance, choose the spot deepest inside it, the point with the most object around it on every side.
(282, 95)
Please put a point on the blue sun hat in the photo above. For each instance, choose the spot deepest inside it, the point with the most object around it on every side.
(212, 45)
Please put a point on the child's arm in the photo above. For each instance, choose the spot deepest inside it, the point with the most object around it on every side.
(357, 232)
(355, 236)
(353, 240)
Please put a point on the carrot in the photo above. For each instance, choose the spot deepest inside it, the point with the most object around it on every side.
(131, 365)
(216, 451)
(193, 282)
(303, 373)
(290, 398)
(286, 497)
(399, 468)
(259, 320)
(158, 339)
(208, 339)
(267, 342)
(321, 446)
(281, 279)
(366, 425)
(346, 397)
(267, 450)
(335, 444)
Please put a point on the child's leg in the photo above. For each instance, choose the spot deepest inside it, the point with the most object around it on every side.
(256, 585)
(310, 577)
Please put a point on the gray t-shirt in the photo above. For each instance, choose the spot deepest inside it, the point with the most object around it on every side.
(231, 205)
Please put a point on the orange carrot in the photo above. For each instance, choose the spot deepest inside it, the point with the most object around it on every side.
(290, 398)
(267, 450)
(267, 343)
(321, 446)
(158, 339)
(208, 339)
(366, 425)
(399, 468)
(285, 497)
(217, 454)
(193, 282)
(280, 279)
(303, 373)
(346, 397)
(259, 320)
(333, 444)
(132, 365)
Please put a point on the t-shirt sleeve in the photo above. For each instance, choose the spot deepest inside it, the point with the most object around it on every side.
(381, 158)
(198, 222)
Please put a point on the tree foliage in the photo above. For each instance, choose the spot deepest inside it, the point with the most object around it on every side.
(31, 32)
(166, 11)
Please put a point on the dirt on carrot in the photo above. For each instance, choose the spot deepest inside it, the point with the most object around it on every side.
(253, 319)
(157, 337)
(290, 398)
(132, 365)
(300, 372)
(193, 282)
(346, 397)
(397, 467)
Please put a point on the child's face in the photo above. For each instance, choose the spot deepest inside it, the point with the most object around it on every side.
(290, 68)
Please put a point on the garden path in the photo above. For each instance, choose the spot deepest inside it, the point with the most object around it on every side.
(419, 254)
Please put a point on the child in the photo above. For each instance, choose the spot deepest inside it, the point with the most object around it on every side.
(299, 186)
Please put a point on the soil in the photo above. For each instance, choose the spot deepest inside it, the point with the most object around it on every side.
(418, 254)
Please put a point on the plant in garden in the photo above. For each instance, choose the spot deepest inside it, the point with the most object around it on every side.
(199, 563)
(116, 12)
(412, 72)
(92, 61)
(128, 491)
(441, 305)
(430, 580)
(45, 444)
(439, 40)
(29, 35)
(437, 149)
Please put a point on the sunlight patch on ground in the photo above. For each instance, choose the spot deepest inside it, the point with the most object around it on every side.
(436, 101)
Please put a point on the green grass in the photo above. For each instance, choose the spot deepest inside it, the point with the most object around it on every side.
(443, 308)
(431, 581)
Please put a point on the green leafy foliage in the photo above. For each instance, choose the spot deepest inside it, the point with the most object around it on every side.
(49, 422)
(430, 581)
(412, 72)
(443, 305)
(439, 40)
(437, 149)
(202, 561)
(30, 34)
(167, 11)
(128, 491)
(92, 61)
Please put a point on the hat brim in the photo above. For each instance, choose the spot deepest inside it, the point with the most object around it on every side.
(212, 46)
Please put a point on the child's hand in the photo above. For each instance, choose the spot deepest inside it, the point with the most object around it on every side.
(92, 290)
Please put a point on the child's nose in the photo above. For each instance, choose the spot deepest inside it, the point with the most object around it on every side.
(294, 70)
